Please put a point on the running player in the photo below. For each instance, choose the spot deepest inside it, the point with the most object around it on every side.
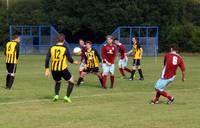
(171, 62)
(83, 49)
(108, 54)
(59, 55)
(91, 60)
(11, 53)
(123, 61)
(137, 56)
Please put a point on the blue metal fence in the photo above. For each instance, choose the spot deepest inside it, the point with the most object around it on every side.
(35, 39)
(38, 39)
(147, 37)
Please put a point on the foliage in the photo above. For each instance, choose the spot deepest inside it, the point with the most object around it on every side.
(178, 19)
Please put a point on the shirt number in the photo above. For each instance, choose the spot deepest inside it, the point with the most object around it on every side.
(175, 60)
(57, 53)
(9, 47)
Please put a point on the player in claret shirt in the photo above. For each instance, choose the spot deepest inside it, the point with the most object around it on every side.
(108, 54)
(83, 49)
(172, 61)
(123, 61)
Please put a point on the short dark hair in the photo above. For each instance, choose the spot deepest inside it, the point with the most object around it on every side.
(136, 38)
(15, 36)
(88, 42)
(82, 39)
(174, 47)
(61, 37)
(115, 39)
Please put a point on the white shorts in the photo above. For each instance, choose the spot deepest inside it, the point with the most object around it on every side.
(122, 63)
(161, 84)
(108, 69)
(82, 66)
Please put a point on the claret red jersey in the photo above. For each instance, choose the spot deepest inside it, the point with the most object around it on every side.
(108, 52)
(171, 62)
(83, 49)
(122, 51)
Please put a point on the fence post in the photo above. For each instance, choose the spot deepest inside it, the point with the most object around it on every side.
(130, 36)
(139, 35)
(147, 41)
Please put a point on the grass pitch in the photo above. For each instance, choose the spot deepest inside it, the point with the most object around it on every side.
(29, 104)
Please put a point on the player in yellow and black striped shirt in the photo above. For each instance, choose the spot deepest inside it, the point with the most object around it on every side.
(137, 56)
(59, 55)
(11, 53)
(92, 61)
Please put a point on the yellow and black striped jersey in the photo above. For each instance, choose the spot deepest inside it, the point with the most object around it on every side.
(12, 52)
(91, 58)
(137, 51)
(59, 56)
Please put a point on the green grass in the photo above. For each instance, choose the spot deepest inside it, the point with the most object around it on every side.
(29, 104)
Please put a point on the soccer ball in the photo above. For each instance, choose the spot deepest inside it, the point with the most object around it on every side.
(77, 51)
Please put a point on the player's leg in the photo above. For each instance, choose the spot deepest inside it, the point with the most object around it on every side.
(11, 69)
(82, 75)
(8, 75)
(81, 69)
(120, 64)
(139, 70)
(57, 78)
(161, 85)
(68, 77)
(125, 63)
(112, 77)
(133, 69)
(104, 75)
(99, 75)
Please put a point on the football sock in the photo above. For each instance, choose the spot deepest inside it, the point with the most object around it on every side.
(165, 94)
(69, 89)
(121, 71)
(80, 72)
(10, 82)
(57, 88)
(112, 78)
(157, 95)
(104, 81)
(79, 81)
(127, 69)
(7, 80)
(140, 72)
(132, 73)
(101, 81)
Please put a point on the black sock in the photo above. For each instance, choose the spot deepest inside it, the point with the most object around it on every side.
(70, 88)
(132, 73)
(101, 81)
(57, 88)
(7, 80)
(140, 72)
(79, 81)
(10, 82)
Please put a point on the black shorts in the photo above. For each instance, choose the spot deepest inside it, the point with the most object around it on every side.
(58, 75)
(11, 68)
(136, 62)
(91, 70)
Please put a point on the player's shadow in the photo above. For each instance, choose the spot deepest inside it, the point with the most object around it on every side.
(174, 103)
(46, 97)
(88, 86)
